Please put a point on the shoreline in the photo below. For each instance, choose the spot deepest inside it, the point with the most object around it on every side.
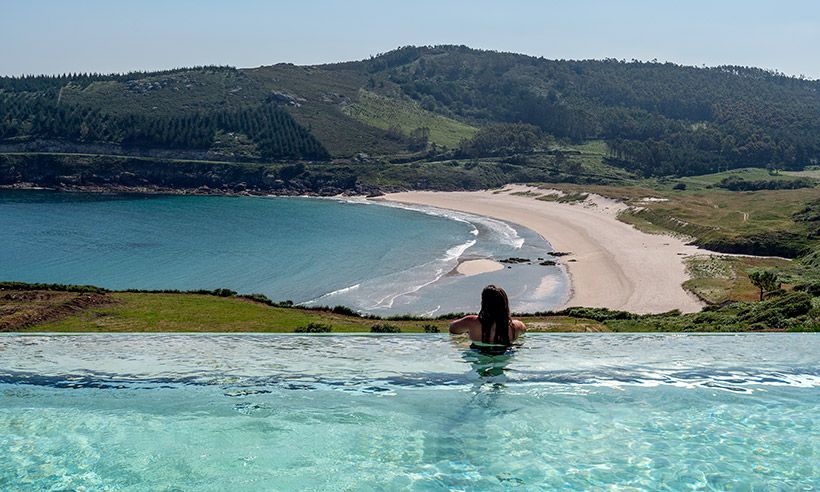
(160, 190)
(602, 273)
(610, 263)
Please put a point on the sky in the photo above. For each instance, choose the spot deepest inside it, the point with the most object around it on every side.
(57, 36)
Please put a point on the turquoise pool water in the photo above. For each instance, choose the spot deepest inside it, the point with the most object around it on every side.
(284, 412)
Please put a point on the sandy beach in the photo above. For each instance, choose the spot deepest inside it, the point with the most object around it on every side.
(475, 267)
(611, 264)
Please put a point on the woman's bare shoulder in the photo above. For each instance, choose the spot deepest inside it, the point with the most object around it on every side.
(464, 324)
(519, 325)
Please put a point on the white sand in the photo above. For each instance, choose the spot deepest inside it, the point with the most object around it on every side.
(474, 267)
(616, 266)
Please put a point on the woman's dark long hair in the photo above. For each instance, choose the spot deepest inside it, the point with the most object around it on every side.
(495, 310)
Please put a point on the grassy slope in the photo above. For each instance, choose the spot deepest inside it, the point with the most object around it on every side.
(139, 312)
(322, 94)
(591, 157)
(705, 212)
(383, 112)
(172, 94)
(749, 174)
(730, 213)
(718, 279)
(154, 312)
(809, 172)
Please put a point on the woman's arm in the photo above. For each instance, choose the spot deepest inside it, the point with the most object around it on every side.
(519, 326)
(461, 326)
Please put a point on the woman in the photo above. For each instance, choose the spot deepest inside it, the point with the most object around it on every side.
(492, 326)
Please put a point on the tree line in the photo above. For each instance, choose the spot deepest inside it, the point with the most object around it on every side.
(34, 83)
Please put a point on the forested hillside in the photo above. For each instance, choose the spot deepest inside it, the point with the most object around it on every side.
(658, 118)
(181, 109)
(430, 104)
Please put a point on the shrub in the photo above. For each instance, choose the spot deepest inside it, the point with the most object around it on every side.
(597, 314)
(812, 288)
(735, 183)
(451, 316)
(224, 292)
(774, 312)
(314, 327)
(679, 186)
(344, 310)
(765, 280)
(406, 317)
(53, 287)
(260, 298)
(428, 328)
(384, 328)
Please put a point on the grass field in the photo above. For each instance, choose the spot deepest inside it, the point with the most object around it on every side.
(148, 312)
(384, 112)
(59, 311)
(722, 220)
(729, 213)
(69, 309)
(749, 174)
(718, 279)
(191, 312)
(809, 172)
(706, 213)
(591, 155)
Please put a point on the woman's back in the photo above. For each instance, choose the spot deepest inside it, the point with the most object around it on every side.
(493, 325)
(471, 325)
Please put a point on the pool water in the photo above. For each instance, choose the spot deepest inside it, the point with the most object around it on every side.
(409, 412)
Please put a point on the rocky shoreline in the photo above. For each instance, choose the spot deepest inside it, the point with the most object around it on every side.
(161, 190)
(116, 174)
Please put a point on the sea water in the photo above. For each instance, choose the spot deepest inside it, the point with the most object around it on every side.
(409, 412)
(383, 259)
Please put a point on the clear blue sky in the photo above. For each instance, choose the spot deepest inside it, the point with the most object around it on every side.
(42, 36)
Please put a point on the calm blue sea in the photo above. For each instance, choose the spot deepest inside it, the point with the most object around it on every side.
(376, 258)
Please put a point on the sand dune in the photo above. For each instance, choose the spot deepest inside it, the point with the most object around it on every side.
(611, 264)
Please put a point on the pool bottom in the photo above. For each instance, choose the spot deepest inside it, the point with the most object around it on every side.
(212, 438)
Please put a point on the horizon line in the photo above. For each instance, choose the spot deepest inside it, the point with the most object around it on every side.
(148, 71)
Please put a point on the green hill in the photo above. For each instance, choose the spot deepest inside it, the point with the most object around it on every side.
(424, 105)
(403, 117)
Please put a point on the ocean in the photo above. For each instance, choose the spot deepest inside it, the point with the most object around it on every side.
(377, 258)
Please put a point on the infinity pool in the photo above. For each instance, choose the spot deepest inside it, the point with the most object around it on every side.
(423, 412)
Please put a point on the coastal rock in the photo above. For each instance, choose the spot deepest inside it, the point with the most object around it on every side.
(515, 260)
(71, 179)
(123, 173)
(124, 178)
